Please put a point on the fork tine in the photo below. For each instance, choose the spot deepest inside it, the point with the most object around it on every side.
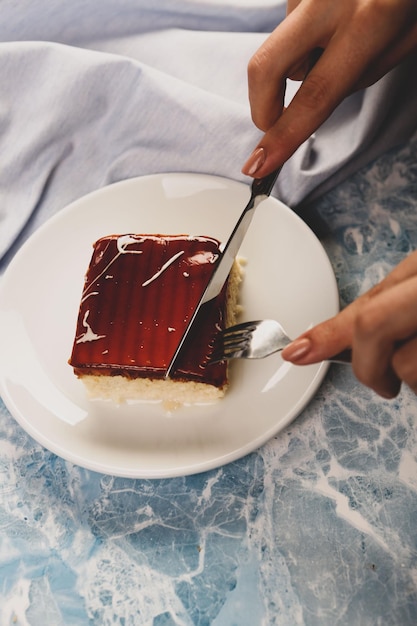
(227, 349)
(237, 341)
(225, 353)
(238, 330)
(231, 342)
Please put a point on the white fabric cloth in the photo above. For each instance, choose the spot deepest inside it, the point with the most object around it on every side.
(95, 91)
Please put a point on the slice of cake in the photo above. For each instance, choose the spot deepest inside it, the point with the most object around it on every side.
(139, 293)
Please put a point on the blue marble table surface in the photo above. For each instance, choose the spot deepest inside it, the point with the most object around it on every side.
(316, 528)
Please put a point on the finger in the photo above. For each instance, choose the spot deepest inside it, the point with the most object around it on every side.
(351, 48)
(336, 334)
(404, 363)
(407, 268)
(266, 88)
(324, 340)
(380, 325)
(330, 81)
(282, 54)
(291, 5)
(299, 71)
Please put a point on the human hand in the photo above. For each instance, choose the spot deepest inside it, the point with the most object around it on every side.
(380, 327)
(361, 41)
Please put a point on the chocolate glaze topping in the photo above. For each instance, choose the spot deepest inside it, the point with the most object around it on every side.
(139, 293)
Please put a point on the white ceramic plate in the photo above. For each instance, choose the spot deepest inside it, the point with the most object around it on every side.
(288, 277)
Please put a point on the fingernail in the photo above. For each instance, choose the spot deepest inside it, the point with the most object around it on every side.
(296, 350)
(255, 162)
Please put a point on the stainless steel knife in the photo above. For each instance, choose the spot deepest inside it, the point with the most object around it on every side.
(261, 188)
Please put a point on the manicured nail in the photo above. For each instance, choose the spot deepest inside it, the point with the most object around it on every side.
(296, 350)
(255, 162)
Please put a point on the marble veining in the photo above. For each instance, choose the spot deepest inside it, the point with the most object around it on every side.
(317, 528)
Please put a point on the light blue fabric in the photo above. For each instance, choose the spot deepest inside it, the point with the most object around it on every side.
(95, 91)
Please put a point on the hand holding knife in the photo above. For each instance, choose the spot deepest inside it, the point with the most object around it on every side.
(260, 190)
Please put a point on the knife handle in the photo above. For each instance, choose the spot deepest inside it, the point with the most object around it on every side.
(263, 186)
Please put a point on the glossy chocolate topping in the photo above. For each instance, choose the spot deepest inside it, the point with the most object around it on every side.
(139, 293)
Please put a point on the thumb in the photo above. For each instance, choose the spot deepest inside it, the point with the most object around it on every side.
(324, 340)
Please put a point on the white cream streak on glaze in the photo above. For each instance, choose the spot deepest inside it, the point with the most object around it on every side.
(122, 242)
(89, 334)
(122, 246)
(93, 293)
(163, 268)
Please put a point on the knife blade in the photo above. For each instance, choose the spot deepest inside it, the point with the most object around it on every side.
(260, 190)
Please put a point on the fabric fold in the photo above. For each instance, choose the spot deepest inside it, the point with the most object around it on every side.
(95, 92)
(99, 118)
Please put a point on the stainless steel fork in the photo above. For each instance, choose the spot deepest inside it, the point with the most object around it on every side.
(256, 340)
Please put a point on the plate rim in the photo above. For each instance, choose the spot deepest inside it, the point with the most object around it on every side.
(180, 470)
